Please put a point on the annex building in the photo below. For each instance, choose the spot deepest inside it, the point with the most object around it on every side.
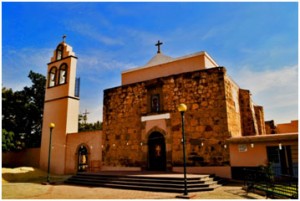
(142, 127)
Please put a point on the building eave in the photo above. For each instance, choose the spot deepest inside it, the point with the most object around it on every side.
(264, 138)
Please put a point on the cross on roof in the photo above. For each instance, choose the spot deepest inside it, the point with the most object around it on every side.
(64, 38)
(158, 44)
(85, 115)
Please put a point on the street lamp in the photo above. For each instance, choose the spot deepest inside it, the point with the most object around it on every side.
(51, 126)
(182, 109)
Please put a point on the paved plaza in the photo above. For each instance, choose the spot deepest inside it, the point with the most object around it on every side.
(26, 183)
(39, 191)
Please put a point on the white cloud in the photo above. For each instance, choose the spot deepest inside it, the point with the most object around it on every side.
(91, 31)
(140, 37)
(262, 81)
(210, 33)
(95, 62)
(16, 65)
(276, 90)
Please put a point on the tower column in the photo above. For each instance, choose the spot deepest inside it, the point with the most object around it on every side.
(61, 107)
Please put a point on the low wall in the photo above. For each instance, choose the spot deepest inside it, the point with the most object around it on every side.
(27, 157)
(92, 140)
(221, 171)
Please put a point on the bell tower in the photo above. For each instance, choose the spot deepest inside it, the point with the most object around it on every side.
(61, 107)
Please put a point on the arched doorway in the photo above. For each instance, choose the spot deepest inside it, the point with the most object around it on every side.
(156, 152)
(82, 158)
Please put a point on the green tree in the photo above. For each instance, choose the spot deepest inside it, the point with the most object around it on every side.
(34, 97)
(23, 112)
(84, 126)
(8, 111)
(7, 141)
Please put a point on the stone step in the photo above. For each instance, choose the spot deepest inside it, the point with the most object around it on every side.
(141, 183)
(146, 188)
(159, 182)
(145, 179)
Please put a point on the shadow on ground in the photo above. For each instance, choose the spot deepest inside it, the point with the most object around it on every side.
(241, 193)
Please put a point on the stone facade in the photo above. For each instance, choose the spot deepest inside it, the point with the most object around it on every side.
(232, 107)
(215, 109)
(249, 123)
(270, 127)
(259, 115)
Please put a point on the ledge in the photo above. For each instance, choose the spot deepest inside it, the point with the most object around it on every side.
(155, 117)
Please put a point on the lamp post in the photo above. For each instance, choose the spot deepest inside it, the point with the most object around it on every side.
(182, 109)
(51, 126)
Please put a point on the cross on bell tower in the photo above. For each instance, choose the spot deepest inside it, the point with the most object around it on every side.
(64, 38)
(158, 44)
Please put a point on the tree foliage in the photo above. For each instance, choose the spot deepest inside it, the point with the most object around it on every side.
(7, 141)
(22, 112)
(84, 126)
(22, 115)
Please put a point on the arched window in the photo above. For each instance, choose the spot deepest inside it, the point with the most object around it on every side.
(59, 52)
(52, 77)
(63, 74)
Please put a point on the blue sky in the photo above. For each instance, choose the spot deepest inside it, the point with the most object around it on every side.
(256, 42)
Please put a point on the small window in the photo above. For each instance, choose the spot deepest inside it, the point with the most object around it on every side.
(52, 77)
(59, 52)
(63, 74)
(155, 104)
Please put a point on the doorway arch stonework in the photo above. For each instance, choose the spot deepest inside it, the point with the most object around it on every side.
(161, 126)
(156, 152)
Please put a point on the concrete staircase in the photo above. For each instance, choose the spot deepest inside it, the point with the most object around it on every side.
(147, 182)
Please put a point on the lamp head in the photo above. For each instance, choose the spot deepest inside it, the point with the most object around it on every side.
(182, 107)
(51, 125)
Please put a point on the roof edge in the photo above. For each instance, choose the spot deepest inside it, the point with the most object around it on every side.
(174, 60)
(263, 138)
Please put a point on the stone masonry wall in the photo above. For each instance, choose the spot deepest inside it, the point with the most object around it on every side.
(206, 120)
(259, 115)
(122, 111)
(270, 127)
(233, 107)
(248, 120)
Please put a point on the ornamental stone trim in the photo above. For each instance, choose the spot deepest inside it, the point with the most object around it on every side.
(155, 117)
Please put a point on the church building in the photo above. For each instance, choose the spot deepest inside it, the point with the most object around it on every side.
(142, 126)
